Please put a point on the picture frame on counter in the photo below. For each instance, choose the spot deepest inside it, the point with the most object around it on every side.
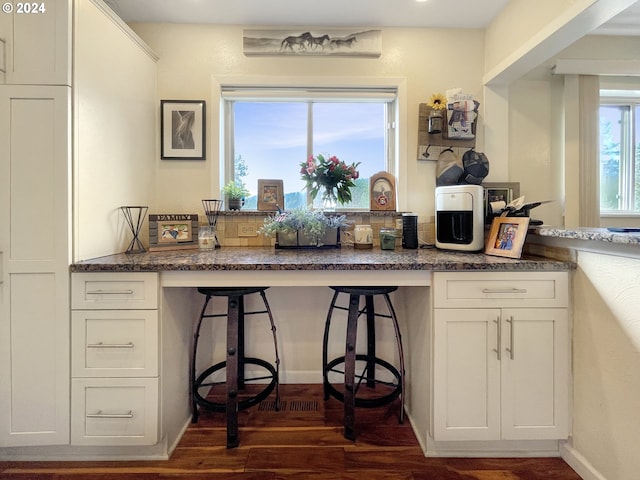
(506, 237)
(382, 192)
(270, 195)
(182, 129)
(173, 231)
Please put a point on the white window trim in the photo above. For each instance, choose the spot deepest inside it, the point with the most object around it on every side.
(399, 169)
(620, 97)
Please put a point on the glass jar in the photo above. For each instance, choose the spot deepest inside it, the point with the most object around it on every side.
(207, 237)
(363, 236)
(387, 238)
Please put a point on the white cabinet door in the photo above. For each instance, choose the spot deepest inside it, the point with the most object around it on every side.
(501, 374)
(535, 373)
(34, 241)
(466, 392)
(35, 38)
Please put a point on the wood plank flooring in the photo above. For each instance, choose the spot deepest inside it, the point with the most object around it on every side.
(302, 441)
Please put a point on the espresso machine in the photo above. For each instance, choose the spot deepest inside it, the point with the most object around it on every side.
(460, 217)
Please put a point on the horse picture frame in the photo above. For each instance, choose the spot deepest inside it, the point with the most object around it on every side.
(356, 42)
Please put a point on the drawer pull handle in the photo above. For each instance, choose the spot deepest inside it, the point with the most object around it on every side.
(111, 345)
(99, 414)
(110, 292)
(504, 290)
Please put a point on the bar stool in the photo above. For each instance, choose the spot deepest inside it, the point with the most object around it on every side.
(352, 379)
(235, 361)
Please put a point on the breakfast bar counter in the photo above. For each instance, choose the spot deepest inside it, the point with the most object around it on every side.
(164, 286)
(343, 259)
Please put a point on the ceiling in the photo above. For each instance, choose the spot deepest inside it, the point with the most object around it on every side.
(338, 13)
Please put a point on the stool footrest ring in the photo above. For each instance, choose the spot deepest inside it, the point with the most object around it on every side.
(359, 401)
(242, 404)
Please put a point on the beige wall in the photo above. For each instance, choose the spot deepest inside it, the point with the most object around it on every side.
(114, 132)
(431, 60)
(508, 25)
(606, 364)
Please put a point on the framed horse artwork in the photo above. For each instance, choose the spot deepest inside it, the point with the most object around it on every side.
(345, 42)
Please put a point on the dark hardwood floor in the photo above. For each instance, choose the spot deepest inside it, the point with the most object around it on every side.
(302, 441)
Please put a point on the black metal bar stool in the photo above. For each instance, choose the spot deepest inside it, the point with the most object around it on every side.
(235, 361)
(367, 361)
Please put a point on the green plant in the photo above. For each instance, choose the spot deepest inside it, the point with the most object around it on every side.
(235, 190)
(312, 223)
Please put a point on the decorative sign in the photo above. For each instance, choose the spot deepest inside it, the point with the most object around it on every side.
(382, 192)
(173, 231)
(353, 42)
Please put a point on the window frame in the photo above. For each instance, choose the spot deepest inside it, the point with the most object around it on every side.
(396, 149)
(631, 100)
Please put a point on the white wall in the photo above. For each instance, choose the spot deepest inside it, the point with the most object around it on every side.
(431, 60)
(115, 129)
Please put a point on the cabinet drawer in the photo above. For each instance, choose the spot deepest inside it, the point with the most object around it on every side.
(500, 289)
(114, 291)
(114, 343)
(117, 411)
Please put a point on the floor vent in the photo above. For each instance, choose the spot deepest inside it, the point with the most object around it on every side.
(303, 406)
(291, 406)
(270, 406)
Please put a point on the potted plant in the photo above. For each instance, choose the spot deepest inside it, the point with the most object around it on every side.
(234, 193)
(304, 228)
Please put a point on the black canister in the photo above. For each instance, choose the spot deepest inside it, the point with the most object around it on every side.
(409, 230)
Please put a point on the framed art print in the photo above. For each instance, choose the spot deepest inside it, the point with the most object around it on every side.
(270, 195)
(506, 237)
(182, 129)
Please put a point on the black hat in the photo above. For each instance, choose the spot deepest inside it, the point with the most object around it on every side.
(476, 167)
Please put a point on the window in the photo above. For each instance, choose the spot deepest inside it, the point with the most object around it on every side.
(619, 153)
(269, 131)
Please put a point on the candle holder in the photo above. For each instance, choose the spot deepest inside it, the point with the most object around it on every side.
(135, 216)
(211, 210)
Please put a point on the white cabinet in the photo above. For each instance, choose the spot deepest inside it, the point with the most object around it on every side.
(500, 356)
(35, 43)
(114, 358)
(35, 169)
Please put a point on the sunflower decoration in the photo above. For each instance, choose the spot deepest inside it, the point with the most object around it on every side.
(437, 102)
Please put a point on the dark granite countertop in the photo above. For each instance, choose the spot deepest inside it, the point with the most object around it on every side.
(346, 258)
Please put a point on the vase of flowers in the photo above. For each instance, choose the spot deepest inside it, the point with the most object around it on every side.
(329, 176)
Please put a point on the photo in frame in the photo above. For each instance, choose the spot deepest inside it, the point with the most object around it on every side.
(170, 231)
(270, 195)
(507, 236)
(182, 129)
